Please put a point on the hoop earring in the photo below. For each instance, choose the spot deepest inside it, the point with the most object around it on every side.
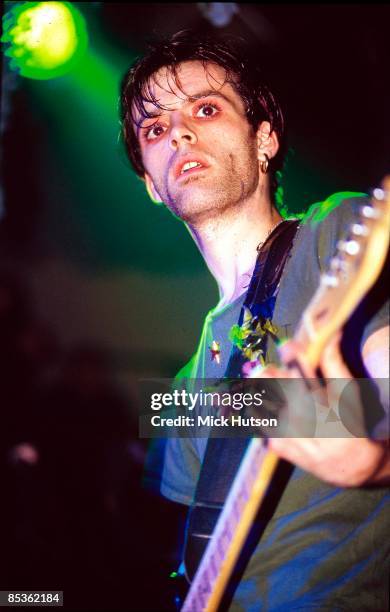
(264, 164)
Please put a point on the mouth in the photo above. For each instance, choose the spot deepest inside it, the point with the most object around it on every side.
(187, 167)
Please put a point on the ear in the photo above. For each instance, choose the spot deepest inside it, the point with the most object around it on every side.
(152, 191)
(267, 141)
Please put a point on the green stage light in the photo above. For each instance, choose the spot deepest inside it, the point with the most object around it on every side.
(45, 39)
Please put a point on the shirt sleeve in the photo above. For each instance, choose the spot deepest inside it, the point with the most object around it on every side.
(182, 461)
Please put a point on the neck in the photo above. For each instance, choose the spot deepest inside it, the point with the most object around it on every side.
(228, 243)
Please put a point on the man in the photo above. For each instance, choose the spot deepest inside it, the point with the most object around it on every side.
(207, 137)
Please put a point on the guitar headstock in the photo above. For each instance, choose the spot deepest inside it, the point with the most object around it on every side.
(353, 270)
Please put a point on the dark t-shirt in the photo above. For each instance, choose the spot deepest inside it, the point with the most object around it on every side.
(325, 547)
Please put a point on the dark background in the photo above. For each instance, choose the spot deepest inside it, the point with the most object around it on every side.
(99, 287)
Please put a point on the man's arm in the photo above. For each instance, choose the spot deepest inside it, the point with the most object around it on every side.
(376, 360)
(376, 353)
(345, 462)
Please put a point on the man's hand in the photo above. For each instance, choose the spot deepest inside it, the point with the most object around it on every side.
(345, 462)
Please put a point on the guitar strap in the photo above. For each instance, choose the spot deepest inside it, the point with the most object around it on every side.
(223, 455)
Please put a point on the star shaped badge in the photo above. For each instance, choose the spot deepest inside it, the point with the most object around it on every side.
(215, 350)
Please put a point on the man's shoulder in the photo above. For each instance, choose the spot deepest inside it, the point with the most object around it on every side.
(340, 206)
(329, 220)
(187, 371)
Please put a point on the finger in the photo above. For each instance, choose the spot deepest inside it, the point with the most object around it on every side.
(293, 355)
(296, 450)
(288, 350)
(252, 369)
(332, 363)
(272, 371)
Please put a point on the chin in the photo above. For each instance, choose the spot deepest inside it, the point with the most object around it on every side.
(199, 208)
(195, 200)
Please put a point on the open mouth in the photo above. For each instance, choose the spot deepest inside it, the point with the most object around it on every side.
(190, 168)
(189, 164)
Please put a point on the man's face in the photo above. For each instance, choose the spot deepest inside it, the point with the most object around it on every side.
(205, 124)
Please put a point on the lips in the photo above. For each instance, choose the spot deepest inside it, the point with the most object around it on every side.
(189, 159)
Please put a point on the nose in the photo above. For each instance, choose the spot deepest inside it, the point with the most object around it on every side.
(180, 135)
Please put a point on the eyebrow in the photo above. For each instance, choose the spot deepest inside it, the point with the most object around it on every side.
(188, 99)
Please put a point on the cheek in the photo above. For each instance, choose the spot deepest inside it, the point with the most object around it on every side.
(231, 162)
(233, 138)
(154, 163)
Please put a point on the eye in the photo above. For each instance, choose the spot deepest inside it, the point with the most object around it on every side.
(153, 131)
(207, 110)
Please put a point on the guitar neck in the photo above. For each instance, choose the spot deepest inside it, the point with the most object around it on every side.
(234, 523)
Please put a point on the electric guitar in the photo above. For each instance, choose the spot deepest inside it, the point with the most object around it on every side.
(353, 271)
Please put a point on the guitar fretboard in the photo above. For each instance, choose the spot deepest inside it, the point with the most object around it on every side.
(238, 503)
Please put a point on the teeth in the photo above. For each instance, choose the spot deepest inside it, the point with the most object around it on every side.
(189, 165)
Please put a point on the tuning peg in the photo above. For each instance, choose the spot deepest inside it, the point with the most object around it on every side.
(337, 264)
(369, 212)
(352, 247)
(329, 280)
(359, 229)
(379, 194)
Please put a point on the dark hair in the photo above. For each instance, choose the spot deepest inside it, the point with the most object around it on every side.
(241, 72)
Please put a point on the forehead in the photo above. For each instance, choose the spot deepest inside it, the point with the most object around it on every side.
(190, 79)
